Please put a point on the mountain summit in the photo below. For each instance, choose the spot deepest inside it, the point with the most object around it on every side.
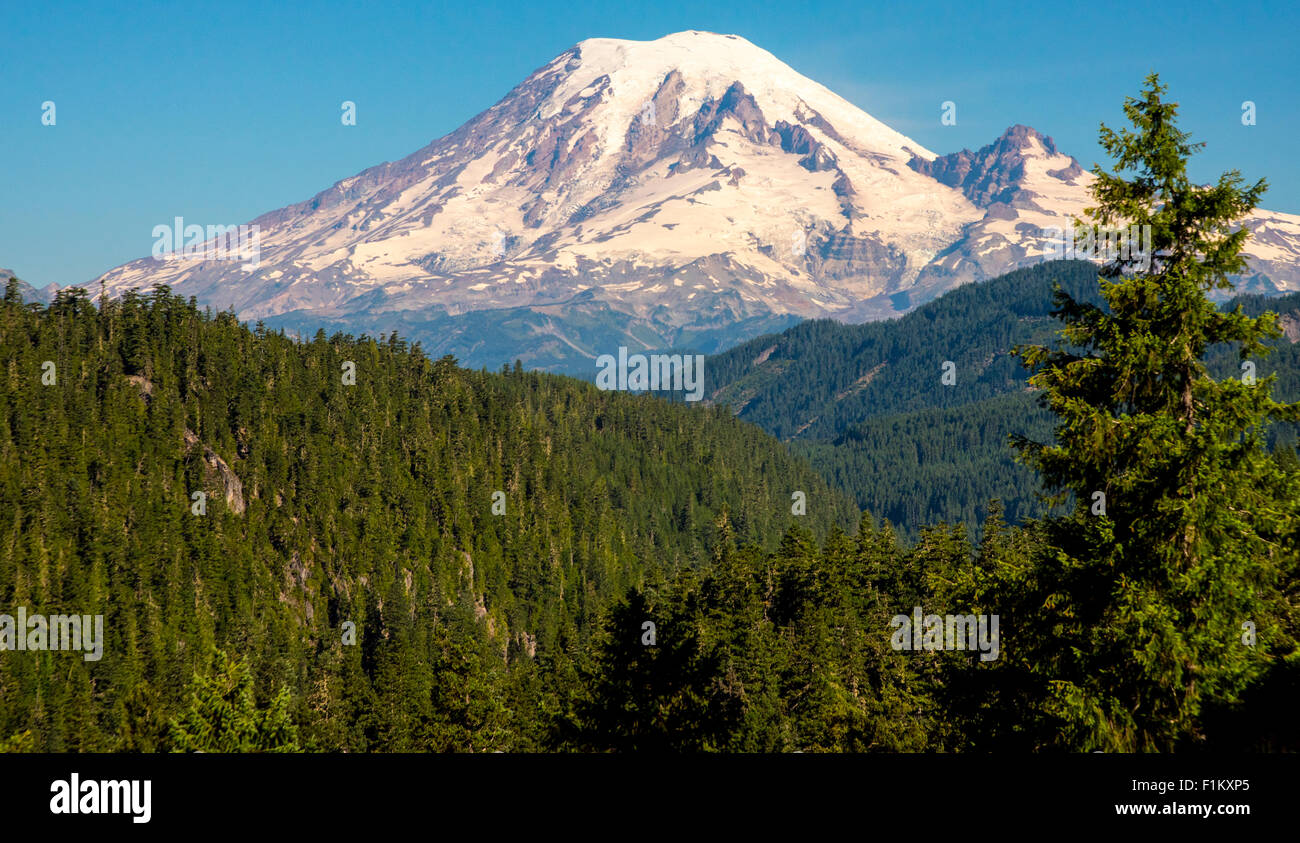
(691, 191)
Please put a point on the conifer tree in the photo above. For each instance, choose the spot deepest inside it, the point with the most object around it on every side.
(1182, 522)
(223, 715)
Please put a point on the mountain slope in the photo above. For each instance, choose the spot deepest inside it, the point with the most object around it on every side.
(328, 502)
(692, 190)
(848, 373)
(872, 414)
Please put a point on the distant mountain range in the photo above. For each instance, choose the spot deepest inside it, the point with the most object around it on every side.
(690, 192)
(27, 291)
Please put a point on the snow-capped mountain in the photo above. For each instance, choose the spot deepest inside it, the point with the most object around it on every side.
(689, 191)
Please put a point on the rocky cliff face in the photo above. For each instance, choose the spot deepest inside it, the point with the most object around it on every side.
(217, 474)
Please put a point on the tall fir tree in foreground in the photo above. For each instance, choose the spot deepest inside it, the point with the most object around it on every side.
(1141, 613)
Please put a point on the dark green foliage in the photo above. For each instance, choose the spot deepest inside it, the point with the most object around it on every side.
(936, 465)
(771, 652)
(848, 374)
(223, 716)
(1133, 622)
(330, 503)
(872, 417)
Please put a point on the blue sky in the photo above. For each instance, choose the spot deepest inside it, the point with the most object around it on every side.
(219, 112)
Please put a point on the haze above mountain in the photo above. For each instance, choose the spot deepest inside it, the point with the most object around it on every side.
(691, 191)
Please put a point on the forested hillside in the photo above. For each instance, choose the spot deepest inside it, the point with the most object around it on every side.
(331, 501)
(873, 415)
(646, 586)
(849, 373)
(939, 464)
(791, 650)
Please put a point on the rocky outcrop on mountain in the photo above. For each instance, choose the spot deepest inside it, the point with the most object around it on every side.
(996, 174)
(216, 471)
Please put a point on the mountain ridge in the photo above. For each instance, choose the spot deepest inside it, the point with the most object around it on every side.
(874, 416)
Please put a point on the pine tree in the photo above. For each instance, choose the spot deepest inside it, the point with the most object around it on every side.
(223, 715)
(1143, 598)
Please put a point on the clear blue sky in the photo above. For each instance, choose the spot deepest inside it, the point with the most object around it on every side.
(218, 112)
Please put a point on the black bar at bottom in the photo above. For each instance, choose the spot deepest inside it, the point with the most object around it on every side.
(608, 793)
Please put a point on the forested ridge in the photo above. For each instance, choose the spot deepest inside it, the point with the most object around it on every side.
(372, 503)
(855, 372)
(327, 503)
(873, 417)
